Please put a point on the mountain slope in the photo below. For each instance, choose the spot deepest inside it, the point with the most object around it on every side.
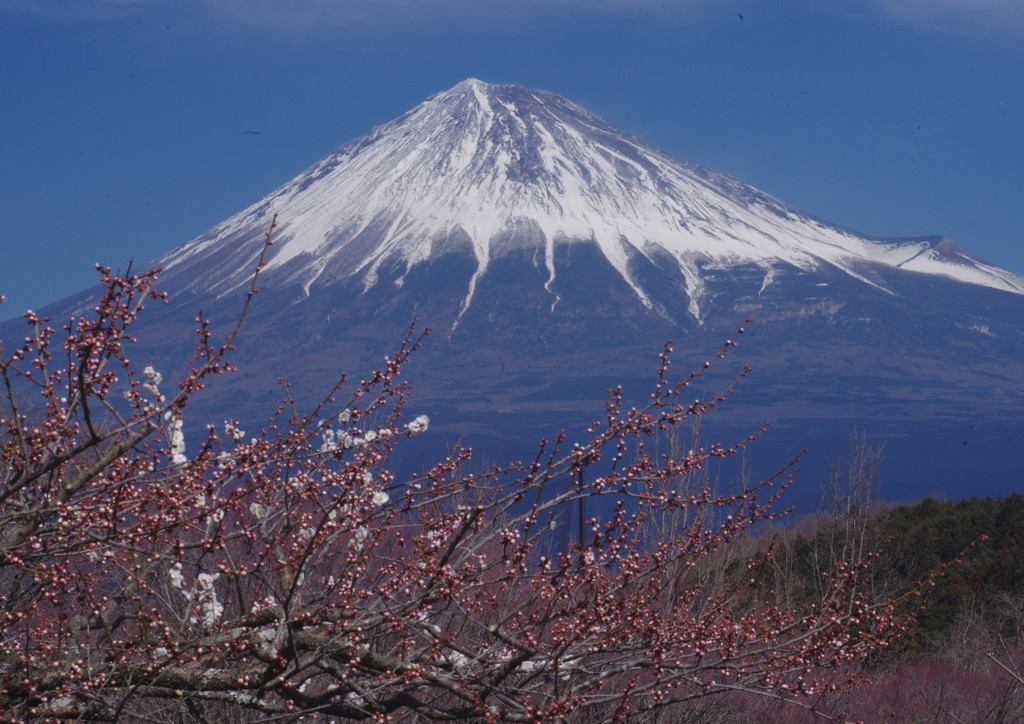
(500, 169)
(554, 254)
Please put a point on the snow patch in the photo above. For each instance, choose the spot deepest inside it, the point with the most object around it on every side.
(694, 289)
(481, 158)
(769, 277)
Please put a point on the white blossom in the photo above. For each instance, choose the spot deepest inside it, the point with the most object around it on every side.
(344, 416)
(152, 384)
(178, 443)
(370, 436)
(212, 609)
(258, 510)
(175, 575)
(418, 425)
(381, 498)
(234, 432)
(360, 537)
(206, 597)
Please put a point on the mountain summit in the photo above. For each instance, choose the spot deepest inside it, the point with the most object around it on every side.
(553, 254)
(493, 169)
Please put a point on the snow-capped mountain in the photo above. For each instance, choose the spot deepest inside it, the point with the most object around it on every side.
(501, 168)
(554, 254)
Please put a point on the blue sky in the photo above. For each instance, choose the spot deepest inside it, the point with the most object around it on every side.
(124, 121)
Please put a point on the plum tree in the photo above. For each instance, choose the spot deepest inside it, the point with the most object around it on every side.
(296, 573)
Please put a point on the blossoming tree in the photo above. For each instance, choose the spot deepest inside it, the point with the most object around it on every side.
(294, 573)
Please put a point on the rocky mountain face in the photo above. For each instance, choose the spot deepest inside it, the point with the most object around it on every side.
(553, 254)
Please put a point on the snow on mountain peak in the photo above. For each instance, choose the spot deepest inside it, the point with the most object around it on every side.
(499, 167)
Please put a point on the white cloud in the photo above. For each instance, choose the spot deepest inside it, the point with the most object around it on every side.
(958, 16)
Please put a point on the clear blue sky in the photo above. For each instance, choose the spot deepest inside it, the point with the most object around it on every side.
(124, 121)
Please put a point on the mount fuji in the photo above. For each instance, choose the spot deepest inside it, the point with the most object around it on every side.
(499, 170)
(553, 254)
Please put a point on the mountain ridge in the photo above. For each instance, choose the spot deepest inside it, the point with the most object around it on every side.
(533, 323)
(500, 167)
